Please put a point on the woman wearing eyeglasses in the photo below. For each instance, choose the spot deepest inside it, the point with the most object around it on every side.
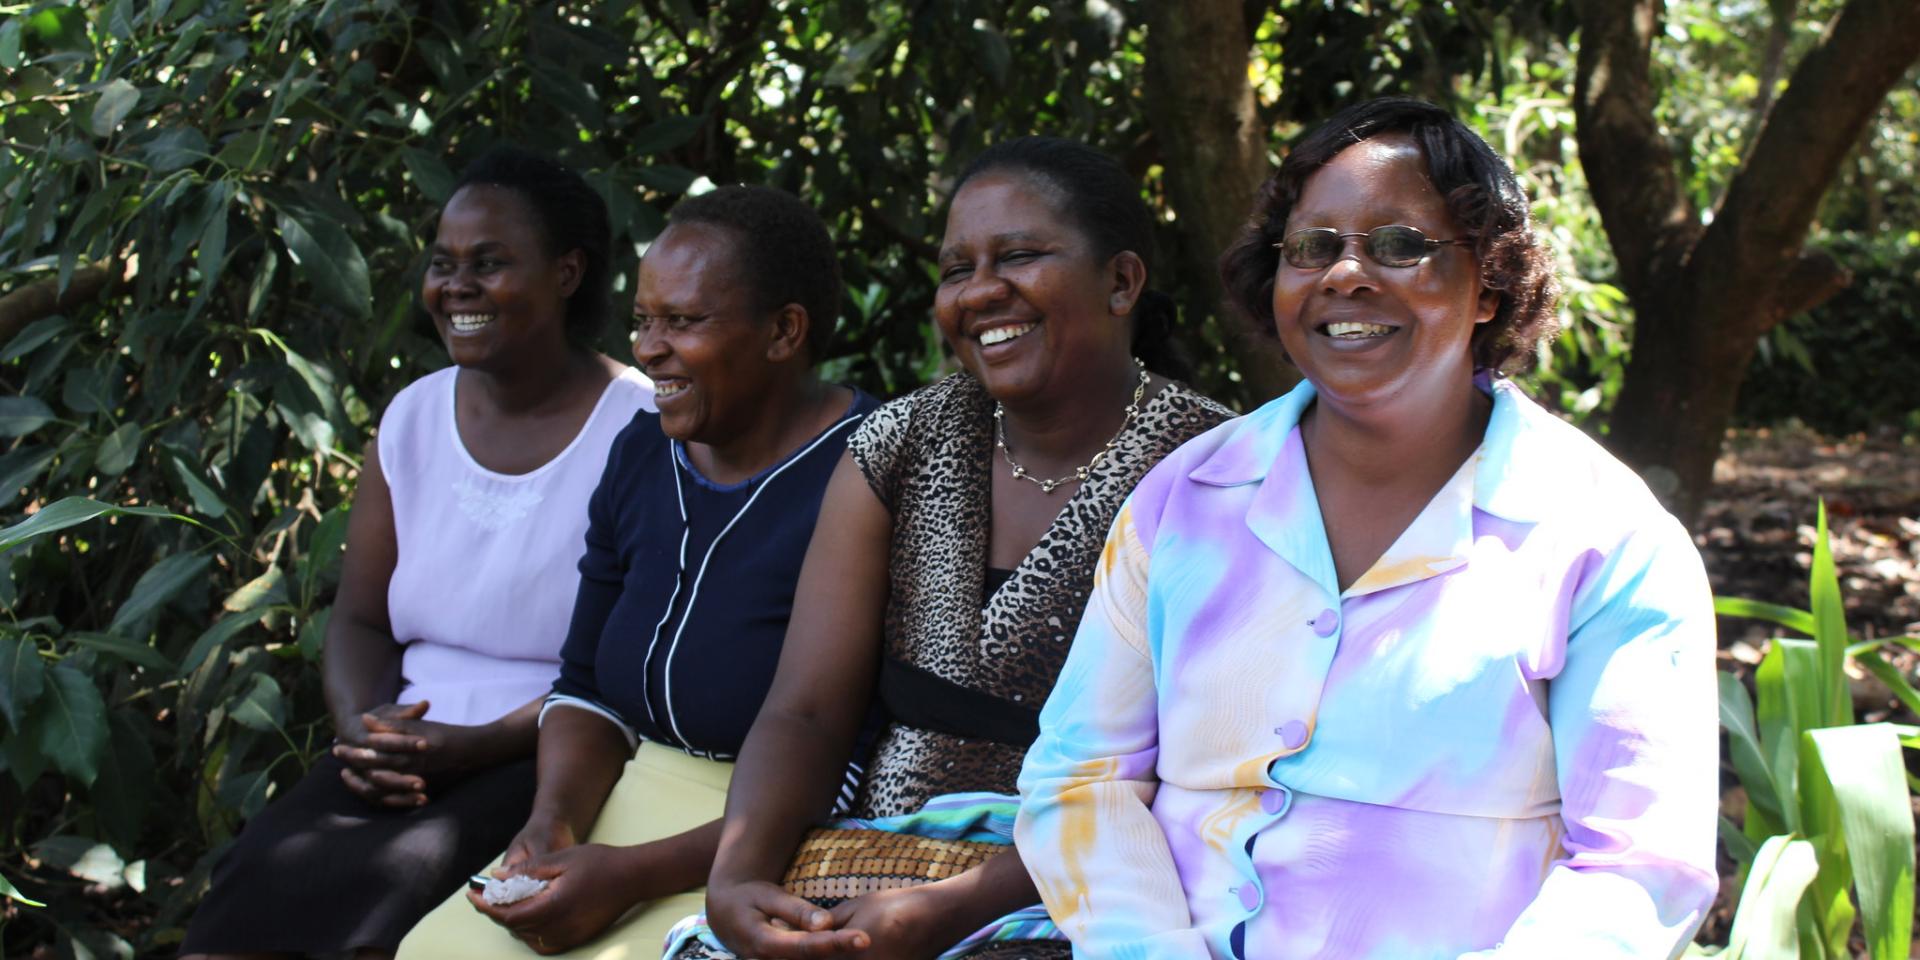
(1398, 665)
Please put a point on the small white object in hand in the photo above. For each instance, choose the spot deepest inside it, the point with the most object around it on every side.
(500, 892)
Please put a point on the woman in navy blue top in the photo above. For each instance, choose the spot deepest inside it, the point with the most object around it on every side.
(694, 542)
(681, 611)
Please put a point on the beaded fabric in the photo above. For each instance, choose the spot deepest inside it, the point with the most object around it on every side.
(835, 865)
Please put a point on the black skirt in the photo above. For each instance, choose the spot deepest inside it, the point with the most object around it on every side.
(321, 871)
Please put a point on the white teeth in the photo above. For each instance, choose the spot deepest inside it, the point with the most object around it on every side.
(1357, 330)
(1003, 334)
(667, 388)
(469, 322)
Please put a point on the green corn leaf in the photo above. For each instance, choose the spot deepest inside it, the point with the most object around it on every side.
(1793, 618)
(1867, 777)
(1765, 927)
(1890, 675)
(1749, 760)
(65, 513)
(1830, 629)
(1828, 901)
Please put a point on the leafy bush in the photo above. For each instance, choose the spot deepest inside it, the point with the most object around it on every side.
(1828, 829)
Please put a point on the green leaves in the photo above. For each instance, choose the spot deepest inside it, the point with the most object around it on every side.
(330, 262)
(71, 722)
(21, 679)
(117, 99)
(66, 513)
(1829, 818)
(158, 585)
(1867, 775)
(20, 416)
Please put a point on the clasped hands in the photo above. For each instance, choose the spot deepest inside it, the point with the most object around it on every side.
(391, 753)
(763, 921)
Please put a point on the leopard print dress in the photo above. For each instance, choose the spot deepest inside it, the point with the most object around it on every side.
(929, 456)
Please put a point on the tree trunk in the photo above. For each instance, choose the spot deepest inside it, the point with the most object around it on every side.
(1213, 149)
(1704, 295)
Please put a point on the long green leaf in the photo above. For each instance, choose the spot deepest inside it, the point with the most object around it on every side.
(159, 584)
(8, 890)
(1749, 760)
(62, 514)
(1828, 901)
(128, 649)
(1830, 629)
(1866, 773)
(1793, 618)
(1764, 928)
(1890, 675)
(117, 99)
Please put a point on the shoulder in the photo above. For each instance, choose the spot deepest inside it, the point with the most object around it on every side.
(630, 392)
(424, 395)
(914, 416)
(1535, 467)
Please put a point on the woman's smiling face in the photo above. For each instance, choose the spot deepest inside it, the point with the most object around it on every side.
(1364, 333)
(490, 286)
(1023, 301)
(698, 335)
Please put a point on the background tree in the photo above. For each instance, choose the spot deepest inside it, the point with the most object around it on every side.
(1705, 290)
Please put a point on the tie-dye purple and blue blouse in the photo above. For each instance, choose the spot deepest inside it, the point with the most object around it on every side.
(1498, 742)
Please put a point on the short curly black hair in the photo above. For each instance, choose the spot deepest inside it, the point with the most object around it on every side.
(572, 216)
(783, 250)
(1482, 196)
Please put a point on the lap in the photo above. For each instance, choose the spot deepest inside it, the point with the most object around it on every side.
(662, 792)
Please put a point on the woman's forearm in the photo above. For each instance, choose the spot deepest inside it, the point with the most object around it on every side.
(788, 772)
(581, 756)
(981, 895)
(669, 865)
(361, 670)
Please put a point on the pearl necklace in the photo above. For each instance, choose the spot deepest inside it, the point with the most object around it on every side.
(1079, 473)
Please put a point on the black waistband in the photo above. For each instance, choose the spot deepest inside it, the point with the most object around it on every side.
(920, 699)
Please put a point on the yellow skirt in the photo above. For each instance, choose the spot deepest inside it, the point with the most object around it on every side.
(662, 792)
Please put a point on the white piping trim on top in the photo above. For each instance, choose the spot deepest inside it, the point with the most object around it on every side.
(667, 693)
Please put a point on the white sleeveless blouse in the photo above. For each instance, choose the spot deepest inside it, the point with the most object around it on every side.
(484, 583)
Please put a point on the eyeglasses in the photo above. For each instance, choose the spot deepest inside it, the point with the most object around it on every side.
(1392, 246)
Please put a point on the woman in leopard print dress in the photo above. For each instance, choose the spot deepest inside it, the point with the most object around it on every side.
(955, 552)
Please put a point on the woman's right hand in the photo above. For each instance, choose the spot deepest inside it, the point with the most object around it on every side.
(542, 835)
(762, 920)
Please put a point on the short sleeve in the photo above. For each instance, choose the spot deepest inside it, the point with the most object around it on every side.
(878, 447)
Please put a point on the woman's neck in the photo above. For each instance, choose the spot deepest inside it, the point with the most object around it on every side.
(530, 388)
(1052, 434)
(791, 413)
(1412, 443)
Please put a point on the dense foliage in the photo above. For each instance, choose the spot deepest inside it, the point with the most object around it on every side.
(210, 215)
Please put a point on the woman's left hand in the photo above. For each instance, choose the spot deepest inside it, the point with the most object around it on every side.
(903, 924)
(586, 892)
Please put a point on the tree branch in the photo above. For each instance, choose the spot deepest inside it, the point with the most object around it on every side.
(1628, 163)
(42, 298)
(1833, 94)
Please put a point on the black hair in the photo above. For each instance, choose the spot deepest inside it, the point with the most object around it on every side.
(783, 252)
(1104, 203)
(1482, 196)
(571, 215)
